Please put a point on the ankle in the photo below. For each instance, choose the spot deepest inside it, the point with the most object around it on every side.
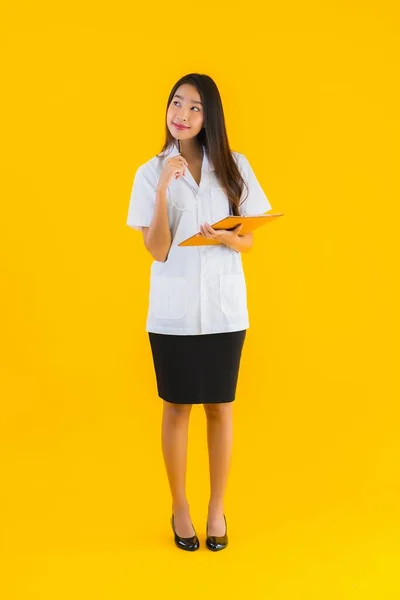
(180, 506)
(215, 508)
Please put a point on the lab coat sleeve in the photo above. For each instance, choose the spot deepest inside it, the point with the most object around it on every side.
(142, 200)
(256, 202)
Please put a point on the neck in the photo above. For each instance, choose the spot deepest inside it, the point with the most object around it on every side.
(191, 149)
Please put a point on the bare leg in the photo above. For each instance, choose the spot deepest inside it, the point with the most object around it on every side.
(219, 438)
(175, 423)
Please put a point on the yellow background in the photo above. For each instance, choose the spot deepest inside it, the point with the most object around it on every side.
(311, 96)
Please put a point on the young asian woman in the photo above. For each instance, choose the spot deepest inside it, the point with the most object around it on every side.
(197, 315)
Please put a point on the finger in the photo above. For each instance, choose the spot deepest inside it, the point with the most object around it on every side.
(184, 159)
(209, 229)
(205, 230)
(177, 175)
(212, 231)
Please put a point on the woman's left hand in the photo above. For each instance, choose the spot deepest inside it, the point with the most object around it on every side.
(220, 235)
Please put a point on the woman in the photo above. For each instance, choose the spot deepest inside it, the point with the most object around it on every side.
(197, 317)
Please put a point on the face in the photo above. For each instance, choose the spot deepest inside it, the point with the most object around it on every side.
(185, 110)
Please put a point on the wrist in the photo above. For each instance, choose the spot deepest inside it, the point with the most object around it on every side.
(229, 240)
(162, 189)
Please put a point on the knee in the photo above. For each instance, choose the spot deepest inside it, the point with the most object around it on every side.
(176, 411)
(219, 410)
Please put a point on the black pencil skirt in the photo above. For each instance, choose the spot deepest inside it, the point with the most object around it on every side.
(197, 369)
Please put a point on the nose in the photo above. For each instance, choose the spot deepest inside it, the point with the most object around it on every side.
(182, 115)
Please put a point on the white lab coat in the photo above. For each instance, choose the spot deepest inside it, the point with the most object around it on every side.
(198, 289)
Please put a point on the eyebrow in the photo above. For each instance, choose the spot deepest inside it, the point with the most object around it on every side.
(193, 101)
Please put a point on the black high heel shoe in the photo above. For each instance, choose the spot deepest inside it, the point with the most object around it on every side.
(215, 542)
(190, 543)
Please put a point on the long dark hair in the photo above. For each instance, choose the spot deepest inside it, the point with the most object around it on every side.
(213, 136)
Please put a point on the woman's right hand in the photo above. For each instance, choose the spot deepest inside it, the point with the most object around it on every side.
(173, 167)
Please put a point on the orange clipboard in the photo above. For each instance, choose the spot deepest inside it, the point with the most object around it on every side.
(249, 224)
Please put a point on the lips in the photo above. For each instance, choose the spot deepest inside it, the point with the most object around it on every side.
(179, 126)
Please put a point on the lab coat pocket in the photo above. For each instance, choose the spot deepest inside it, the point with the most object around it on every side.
(233, 293)
(169, 297)
(219, 203)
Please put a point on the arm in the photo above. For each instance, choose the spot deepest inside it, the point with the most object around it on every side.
(157, 237)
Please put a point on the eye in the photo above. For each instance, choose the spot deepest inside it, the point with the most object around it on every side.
(192, 106)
